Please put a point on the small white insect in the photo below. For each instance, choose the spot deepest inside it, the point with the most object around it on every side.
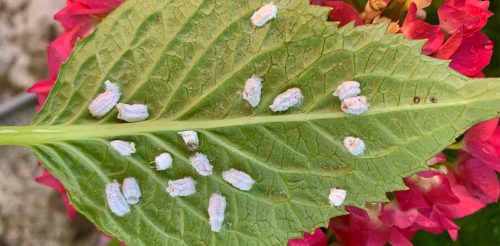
(132, 113)
(216, 208)
(131, 190)
(116, 201)
(253, 91)
(355, 145)
(105, 101)
(181, 187)
(347, 89)
(355, 105)
(124, 148)
(264, 14)
(337, 197)
(190, 139)
(201, 163)
(291, 98)
(238, 179)
(163, 161)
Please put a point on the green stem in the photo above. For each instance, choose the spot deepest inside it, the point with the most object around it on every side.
(456, 146)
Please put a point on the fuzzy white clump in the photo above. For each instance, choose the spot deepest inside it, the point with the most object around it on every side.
(337, 197)
(105, 101)
(116, 201)
(291, 98)
(131, 190)
(216, 207)
(238, 179)
(355, 105)
(347, 89)
(163, 161)
(132, 113)
(264, 14)
(354, 145)
(190, 139)
(123, 147)
(181, 187)
(201, 163)
(253, 91)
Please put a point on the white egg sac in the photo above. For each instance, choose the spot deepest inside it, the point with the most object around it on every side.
(190, 139)
(253, 91)
(181, 187)
(355, 146)
(132, 113)
(355, 105)
(337, 197)
(131, 190)
(201, 163)
(116, 201)
(163, 162)
(124, 148)
(347, 89)
(238, 179)
(291, 98)
(105, 101)
(264, 14)
(216, 208)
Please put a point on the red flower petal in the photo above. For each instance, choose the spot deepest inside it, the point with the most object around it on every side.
(439, 158)
(471, 15)
(341, 12)
(59, 51)
(413, 28)
(473, 55)
(480, 180)
(450, 46)
(392, 215)
(46, 178)
(317, 239)
(482, 131)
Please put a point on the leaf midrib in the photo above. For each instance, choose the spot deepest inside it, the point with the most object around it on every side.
(39, 134)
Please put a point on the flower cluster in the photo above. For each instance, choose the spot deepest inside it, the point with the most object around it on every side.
(78, 19)
(446, 191)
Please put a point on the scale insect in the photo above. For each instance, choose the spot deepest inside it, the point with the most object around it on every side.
(291, 98)
(131, 190)
(264, 15)
(105, 101)
(253, 91)
(238, 179)
(132, 113)
(190, 139)
(347, 89)
(123, 147)
(216, 207)
(116, 201)
(181, 187)
(201, 164)
(337, 197)
(355, 105)
(355, 146)
(163, 161)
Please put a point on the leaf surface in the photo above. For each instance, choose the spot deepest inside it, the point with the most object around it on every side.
(188, 61)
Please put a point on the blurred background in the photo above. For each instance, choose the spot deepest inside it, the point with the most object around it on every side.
(30, 214)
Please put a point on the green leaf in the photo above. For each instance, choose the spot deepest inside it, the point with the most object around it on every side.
(188, 61)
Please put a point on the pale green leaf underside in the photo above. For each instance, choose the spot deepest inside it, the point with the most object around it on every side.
(188, 61)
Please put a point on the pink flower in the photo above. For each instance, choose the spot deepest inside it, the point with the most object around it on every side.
(473, 54)
(317, 239)
(414, 28)
(59, 51)
(42, 90)
(471, 15)
(46, 178)
(341, 12)
(483, 142)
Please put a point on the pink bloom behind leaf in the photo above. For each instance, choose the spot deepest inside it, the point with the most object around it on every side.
(47, 179)
(471, 15)
(341, 12)
(316, 239)
(473, 55)
(414, 28)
